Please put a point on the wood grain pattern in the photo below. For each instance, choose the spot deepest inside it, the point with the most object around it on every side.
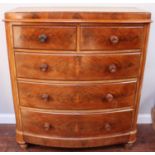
(77, 96)
(101, 38)
(12, 66)
(57, 37)
(104, 15)
(76, 75)
(143, 143)
(77, 67)
(74, 125)
(140, 81)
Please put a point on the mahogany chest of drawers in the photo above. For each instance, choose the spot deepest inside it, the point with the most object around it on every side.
(76, 74)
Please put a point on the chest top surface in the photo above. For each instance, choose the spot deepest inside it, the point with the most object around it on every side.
(75, 14)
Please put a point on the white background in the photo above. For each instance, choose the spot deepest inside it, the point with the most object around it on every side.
(148, 91)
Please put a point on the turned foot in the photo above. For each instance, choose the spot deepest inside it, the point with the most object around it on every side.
(23, 146)
(128, 145)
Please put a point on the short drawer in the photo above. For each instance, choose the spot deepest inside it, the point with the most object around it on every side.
(110, 38)
(77, 67)
(75, 125)
(77, 96)
(45, 37)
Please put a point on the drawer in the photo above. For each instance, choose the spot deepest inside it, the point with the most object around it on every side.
(77, 67)
(77, 96)
(75, 125)
(110, 38)
(45, 37)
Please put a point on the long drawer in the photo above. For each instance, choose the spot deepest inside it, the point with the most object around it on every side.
(77, 96)
(45, 37)
(75, 125)
(111, 38)
(77, 66)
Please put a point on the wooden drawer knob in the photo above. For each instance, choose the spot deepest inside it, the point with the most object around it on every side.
(44, 67)
(42, 38)
(47, 126)
(45, 97)
(109, 97)
(107, 127)
(114, 39)
(112, 68)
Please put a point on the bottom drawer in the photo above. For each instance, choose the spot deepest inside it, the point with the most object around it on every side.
(75, 125)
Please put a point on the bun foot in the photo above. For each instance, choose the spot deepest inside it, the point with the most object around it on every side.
(23, 146)
(128, 145)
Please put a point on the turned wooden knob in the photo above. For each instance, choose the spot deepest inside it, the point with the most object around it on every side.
(109, 97)
(45, 97)
(44, 67)
(112, 68)
(42, 38)
(114, 39)
(107, 127)
(47, 126)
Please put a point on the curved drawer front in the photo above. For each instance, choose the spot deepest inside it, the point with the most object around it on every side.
(72, 125)
(45, 37)
(111, 38)
(77, 67)
(77, 96)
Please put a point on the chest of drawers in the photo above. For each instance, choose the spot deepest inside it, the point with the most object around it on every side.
(76, 74)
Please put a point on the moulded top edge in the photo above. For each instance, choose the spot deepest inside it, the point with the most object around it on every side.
(78, 14)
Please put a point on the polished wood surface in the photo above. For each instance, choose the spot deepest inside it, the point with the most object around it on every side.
(153, 117)
(76, 75)
(75, 129)
(75, 125)
(45, 37)
(98, 14)
(143, 143)
(77, 96)
(111, 38)
(77, 67)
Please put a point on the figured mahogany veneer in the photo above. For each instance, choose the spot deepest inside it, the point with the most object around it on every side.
(45, 37)
(85, 125)
(77, 96)
(76, 74)
(115, 38)
(77, 67)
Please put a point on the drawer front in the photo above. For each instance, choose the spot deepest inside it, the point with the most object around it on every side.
(111, 38)
(77, 96)
(45, 37)
(70, 125)
(77, 67)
